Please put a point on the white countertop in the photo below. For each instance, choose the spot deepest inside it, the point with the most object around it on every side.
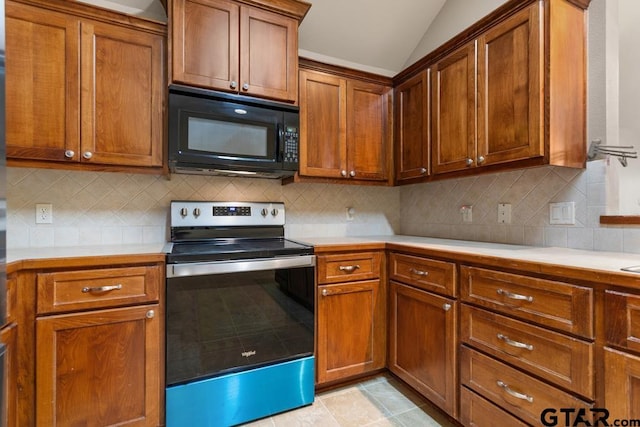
(79, 251)
(593, 260)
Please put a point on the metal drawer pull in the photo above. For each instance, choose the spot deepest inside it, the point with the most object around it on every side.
(349, 268)
(325, 292)
(515, 394)
(446, 307)
(419, 272)
(514, 296)
(102, 288)
(513, 343)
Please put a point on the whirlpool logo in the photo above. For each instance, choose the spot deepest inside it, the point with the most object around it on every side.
(586, 417)
(248, 353)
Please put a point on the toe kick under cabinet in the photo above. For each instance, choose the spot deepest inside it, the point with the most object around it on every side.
(527, 345)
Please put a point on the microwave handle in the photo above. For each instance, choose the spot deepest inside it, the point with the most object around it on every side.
(280, 139)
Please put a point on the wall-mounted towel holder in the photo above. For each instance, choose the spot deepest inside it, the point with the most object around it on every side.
(621, 152)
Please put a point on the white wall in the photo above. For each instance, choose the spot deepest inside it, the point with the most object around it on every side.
(455, 16)
(629, 105)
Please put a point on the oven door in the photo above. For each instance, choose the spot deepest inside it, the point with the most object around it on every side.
(232, 316)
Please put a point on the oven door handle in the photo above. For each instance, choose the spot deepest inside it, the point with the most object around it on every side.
(238, 266)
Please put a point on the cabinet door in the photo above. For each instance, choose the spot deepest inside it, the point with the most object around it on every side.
(122, 96)
(412, 127)
(206, 43)
(99, 368)
(8, 337)
(351, 329)
(268, 54)
(622, 384)
(453, 124)
(323, 143)
(510, 102)
(42, 83)
(368, 130)
(422, 350)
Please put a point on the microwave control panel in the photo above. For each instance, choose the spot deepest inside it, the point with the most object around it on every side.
(291, 143)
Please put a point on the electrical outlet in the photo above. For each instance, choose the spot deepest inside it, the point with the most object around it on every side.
(467, 213)
(44, 213)
(351, 213)
(504, 213)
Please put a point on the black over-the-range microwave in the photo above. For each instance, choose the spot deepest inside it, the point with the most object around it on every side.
(215, 133)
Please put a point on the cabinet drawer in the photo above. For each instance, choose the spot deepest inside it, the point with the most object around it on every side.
(431, 275)
(557, 305)
(565, 361)
(622, 320)
(479, 412)
(348, 267)
(515, 391)
(109, 287)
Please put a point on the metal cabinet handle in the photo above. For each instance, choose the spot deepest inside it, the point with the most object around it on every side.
(352, 174)
(469, 162)
(102, 288)
(87, 155)
(150, 314)
(69, 154)
(234, 84)
(481, 160)
(245, 86)
(349, 268)
(419, 272)
(513, 393)
(446, 306)
(513, 343)
(325, 292)
(517, 297)
(343, 172)
(423, 170)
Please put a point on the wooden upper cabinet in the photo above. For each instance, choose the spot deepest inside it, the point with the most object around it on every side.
(510, 91)
(196, 59)
(368, 130)
(510, 101)
(83, 92)
(122, 96)
(229, 46)
(453, 110)
(323, 116)
(345, 127)
(42, 83)
(412, 127)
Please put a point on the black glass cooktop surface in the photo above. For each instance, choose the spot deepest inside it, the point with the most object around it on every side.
(234, 249)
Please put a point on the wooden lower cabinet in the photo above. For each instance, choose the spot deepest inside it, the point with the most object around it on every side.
(351, 332)
(622, 384)
(99, 368)
(423, 341)
(9, 410)
(478, 412)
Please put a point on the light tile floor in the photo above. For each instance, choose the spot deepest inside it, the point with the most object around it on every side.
(377, 402)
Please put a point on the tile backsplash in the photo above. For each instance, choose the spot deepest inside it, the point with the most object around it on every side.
(434, 209)
(101, 208)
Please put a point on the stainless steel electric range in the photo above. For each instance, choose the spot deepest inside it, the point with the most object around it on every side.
(239, 315)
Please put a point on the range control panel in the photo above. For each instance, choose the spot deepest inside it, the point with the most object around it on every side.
(216, 214)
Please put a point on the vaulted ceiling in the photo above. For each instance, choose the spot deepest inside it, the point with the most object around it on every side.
(371, 35)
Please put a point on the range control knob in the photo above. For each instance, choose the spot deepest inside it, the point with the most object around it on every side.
(184, 212)
(196, 212)
(274, 212)
(264, 212)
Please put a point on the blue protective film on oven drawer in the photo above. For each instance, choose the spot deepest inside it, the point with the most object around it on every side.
(241, 397)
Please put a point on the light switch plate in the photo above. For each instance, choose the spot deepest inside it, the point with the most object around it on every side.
(562, 213)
